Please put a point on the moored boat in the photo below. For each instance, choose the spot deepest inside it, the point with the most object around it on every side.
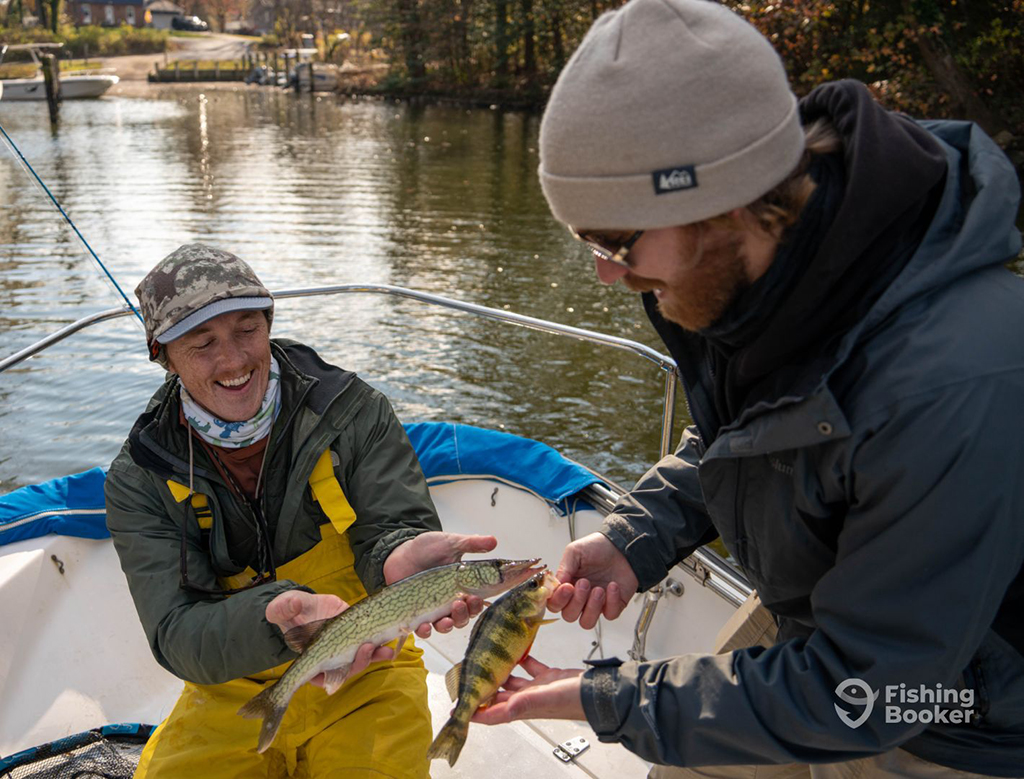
(74, 85)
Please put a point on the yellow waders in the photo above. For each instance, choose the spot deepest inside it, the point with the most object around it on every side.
(377, 725)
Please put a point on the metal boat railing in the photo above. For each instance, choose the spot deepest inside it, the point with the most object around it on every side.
(704, 565)
(666, 364)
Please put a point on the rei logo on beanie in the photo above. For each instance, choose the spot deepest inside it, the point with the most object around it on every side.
(674, 179)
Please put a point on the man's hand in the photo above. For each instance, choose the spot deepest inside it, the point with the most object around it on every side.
(552, 693)
(596, 579)
(297, 607)
(429, 550)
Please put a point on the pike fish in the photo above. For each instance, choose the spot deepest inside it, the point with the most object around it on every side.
(501, 637)
(329, 646)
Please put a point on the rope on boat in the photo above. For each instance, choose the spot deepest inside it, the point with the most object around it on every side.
(28, 167)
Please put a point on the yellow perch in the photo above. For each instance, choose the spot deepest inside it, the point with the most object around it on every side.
(501, 637)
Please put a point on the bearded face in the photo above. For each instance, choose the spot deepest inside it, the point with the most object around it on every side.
(700, 277)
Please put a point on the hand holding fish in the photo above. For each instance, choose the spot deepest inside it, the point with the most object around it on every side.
(429, 550)
(293, 608)
(596, 580)
(331, 647)
(551, 693)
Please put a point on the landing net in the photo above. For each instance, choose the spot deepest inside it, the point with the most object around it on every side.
(111, 752)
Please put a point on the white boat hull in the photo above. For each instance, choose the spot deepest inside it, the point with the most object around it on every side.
(71, 87)
(73, 655)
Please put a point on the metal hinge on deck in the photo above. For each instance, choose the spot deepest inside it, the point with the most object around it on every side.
(567, 751)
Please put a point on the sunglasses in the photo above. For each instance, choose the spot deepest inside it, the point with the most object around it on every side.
(609, 251)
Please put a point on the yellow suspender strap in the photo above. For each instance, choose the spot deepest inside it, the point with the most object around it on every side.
(199, 502)
(328, 493)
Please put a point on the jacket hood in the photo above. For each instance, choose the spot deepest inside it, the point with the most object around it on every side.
(971, 224)
(974, 225)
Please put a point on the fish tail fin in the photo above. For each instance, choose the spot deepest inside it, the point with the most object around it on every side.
(265, 706)
(449, 741)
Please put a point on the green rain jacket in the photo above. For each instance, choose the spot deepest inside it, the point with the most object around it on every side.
(212, 639)
(878, 508)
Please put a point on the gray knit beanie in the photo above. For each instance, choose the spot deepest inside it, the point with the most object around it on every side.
(669, 112)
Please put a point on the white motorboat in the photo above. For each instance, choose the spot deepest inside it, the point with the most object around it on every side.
(73, 657)
(74, 84)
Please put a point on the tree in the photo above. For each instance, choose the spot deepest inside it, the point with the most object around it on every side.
(945, 58)
(219, 10)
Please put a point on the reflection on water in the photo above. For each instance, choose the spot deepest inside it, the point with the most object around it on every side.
(311, 192)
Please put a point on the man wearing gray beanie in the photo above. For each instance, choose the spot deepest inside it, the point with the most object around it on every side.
(829, 277)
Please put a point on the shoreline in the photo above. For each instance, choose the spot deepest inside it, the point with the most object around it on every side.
(134, 88)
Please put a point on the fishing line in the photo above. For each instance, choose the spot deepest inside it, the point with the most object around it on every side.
(13, 147)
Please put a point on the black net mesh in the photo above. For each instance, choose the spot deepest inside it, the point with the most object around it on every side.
(95, 754)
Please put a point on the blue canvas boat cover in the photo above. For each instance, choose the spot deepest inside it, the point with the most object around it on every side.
(74, 505)
(69, 506)
(448, 452)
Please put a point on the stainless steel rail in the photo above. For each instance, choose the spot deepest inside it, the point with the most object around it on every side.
(666, 364)
(60, 335)
(705, 565)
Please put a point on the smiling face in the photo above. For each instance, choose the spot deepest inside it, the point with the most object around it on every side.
(225, 364)
(695, 272)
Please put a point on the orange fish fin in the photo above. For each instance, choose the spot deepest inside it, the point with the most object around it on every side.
(526, 652)
(485, 704)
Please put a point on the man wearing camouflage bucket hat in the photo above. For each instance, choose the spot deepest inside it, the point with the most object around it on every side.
(193, 284)
(260, 490)
(830, 278)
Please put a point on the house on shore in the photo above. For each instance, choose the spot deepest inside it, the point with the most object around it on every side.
(108, 13)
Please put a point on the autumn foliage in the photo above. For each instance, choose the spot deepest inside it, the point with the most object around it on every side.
(930, 58)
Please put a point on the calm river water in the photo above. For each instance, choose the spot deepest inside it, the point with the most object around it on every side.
(311, 192)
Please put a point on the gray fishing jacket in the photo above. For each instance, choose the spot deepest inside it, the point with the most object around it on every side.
(879, 511)
(211, 639)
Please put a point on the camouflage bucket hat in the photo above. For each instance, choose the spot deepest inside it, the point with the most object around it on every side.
(192, 285)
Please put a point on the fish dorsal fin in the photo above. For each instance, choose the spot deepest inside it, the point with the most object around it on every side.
(451, 680)
(334, 678)
(298, 638)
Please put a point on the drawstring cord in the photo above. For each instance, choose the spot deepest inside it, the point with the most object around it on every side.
(191, 465)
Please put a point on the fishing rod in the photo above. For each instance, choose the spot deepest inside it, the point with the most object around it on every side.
(13, 147)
